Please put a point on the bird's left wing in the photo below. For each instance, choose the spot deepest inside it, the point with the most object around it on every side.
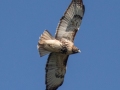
(55, 70)
(70, 22)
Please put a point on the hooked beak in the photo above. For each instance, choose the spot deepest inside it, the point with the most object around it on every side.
(79, 51)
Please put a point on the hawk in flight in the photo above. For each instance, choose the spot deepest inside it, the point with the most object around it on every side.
(62, 45)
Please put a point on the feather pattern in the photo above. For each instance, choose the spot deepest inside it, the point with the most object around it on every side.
(69, 24)
(55, 70)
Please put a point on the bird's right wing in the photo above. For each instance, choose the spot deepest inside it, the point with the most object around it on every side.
(55, 70)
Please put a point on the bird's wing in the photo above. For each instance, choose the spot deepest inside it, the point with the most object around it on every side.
(69, 24)
(55, 70)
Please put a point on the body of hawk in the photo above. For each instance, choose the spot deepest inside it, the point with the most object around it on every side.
(61, 46)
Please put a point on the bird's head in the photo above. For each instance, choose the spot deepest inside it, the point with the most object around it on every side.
(75, 50)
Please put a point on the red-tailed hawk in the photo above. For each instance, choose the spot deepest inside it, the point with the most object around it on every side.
(62, 45)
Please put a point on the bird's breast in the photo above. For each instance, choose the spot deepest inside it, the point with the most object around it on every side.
(52, 45)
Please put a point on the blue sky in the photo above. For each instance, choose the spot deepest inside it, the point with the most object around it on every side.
(97, 67)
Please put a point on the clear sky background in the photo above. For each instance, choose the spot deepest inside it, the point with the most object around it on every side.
(97, 67)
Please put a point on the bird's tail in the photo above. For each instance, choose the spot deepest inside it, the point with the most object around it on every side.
(45, 36)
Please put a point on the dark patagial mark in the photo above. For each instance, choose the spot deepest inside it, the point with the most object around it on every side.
(62, 17)
(59, 76)
(77, 16)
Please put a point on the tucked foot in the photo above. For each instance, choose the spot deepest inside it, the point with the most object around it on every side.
(64, 50)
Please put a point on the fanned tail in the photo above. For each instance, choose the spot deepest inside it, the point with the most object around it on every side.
(45, 36)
